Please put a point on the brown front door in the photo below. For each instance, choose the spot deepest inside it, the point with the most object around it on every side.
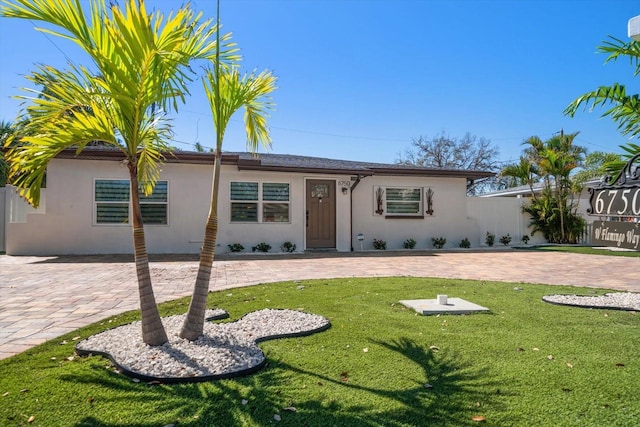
(321, 214)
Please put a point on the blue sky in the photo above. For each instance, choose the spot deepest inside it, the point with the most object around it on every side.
(358, 80)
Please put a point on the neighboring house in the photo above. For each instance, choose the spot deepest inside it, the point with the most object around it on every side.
(582, 199)
(314, 203)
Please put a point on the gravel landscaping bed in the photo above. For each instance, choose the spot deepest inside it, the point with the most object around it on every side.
(616, 301)
(225, 350)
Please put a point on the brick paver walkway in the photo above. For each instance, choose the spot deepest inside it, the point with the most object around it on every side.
(44, 297)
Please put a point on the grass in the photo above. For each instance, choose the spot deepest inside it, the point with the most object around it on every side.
(525, 363)
(587, 250)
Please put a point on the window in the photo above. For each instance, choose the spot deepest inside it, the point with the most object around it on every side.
(112, 200)
(244, 202)
(398, 201)
(154, 206)
(404, 201)
(252, 202)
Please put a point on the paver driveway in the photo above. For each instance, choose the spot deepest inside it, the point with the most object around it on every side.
(44, 297)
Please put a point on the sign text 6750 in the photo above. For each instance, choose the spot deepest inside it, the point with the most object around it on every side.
(615, 202)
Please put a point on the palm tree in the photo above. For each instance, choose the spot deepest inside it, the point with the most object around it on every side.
(623, 108)
(556, 158)
(227, 91)
(143, 63)
(550, 162)
(525, 172)
(6, 131)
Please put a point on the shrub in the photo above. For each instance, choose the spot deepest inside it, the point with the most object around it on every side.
(546, 218)
(465, 243)
(525, 239)
(288, 247)
(490, 239)
(235, 247)
(261, 247)
(505, 240)
(438, 242)
(379, 244)
(409, 244)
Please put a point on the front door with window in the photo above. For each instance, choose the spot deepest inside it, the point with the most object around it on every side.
(321, 214)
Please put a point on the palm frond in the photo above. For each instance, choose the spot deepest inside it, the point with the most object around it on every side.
(250, 91)
(617, 48)
(622, 108)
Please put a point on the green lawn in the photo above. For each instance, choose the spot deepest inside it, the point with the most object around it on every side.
(525, 363)
(586, 250)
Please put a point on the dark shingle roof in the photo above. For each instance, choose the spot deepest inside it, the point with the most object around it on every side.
(287, 163)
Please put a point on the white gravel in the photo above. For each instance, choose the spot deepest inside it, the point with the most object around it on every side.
(617, 300)
(225, 349)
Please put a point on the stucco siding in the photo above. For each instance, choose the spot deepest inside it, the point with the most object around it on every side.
(449, 219)
(68, 225)
(272, 233)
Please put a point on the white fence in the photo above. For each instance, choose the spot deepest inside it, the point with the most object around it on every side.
(502, 216)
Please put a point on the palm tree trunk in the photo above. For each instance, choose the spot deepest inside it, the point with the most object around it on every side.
(559, 196)
(153, 332)
(194, 323)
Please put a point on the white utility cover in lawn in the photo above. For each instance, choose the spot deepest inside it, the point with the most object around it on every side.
(443, 305)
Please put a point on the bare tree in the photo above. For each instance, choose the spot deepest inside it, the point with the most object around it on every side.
(445, 152)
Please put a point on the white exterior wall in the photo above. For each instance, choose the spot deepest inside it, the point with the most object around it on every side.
(273, 233)
(449, 219)
(67, 226)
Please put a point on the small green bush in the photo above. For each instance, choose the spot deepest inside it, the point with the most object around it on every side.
(288, 247)
(261, 247)
(505, 240)
(490, 239)
(379, 244)
(235, 247)
(409, 244)
(438, 242)
(465, 243)
(525, 239)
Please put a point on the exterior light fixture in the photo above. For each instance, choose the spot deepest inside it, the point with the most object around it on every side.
(345, 190)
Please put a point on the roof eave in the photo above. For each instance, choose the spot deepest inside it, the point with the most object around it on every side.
(258, 167)
(444, 173)
(257, 164)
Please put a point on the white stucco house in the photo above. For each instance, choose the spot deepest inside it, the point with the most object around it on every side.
(314, 203)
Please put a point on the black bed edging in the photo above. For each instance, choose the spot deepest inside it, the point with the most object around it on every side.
(597, 307)
(295, 334)
(174, 380)
(224, 315)
(203, 378)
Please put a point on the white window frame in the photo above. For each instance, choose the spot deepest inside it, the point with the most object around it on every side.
(260, 203)
(387, 214)
(127, 202)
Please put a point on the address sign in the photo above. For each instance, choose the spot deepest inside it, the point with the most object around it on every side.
(615, 202)
(619, 197)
